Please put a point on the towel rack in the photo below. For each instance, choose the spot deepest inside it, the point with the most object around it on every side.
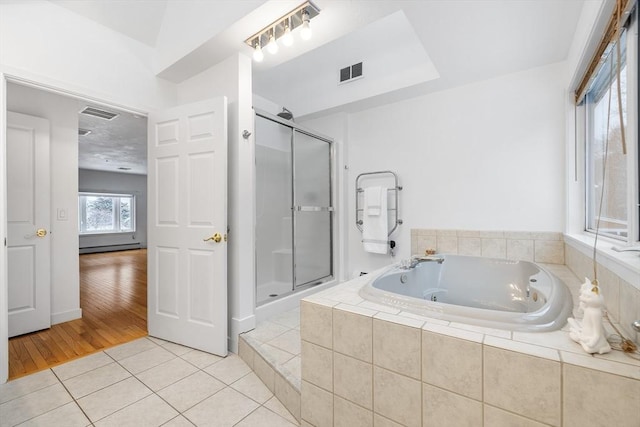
(396, 189)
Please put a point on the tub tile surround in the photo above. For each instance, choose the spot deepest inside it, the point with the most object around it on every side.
(546, 247)
(465, 376)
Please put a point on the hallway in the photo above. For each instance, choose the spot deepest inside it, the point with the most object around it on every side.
(113, 298)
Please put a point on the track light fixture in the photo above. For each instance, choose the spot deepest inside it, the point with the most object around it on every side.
(282, 29)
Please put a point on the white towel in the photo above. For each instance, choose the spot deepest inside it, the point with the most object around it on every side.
(372, 200)
(375, 228)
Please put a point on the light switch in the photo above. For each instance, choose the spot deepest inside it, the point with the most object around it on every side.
(62, 214)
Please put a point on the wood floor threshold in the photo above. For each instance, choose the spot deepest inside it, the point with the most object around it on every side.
(113, 312)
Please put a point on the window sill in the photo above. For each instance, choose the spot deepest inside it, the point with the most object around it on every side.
(107, 233)
(624, 264)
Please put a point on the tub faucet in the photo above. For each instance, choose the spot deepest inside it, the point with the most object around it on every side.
(417, 259)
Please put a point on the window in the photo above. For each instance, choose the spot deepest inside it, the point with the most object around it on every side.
(612, 187)
(106, 213)
(607, 181)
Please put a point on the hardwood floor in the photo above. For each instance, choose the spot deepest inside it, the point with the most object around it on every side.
(113, 298)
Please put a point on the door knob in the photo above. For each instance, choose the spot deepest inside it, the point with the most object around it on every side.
(41, 232)
(217, 237)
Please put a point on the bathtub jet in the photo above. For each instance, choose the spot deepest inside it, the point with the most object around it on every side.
(495, 293)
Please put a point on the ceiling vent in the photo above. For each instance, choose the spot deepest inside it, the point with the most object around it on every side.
(96, 112)
(353, 72)
(83, 132)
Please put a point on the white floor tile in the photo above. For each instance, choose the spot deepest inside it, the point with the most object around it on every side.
(113, 398)
(262, 417)
(276, 406)
(129, 349)
(25, 385)
(166, 374)
(266, 331)
(149, 412)
(251, 386)
(191, 390)
(223, 409)
(95, 380)
(147, 359)
(178, 421)
(201, 359)
(69, 415)
(33, 404)
(229, 370)
(82, 365)
(289, 342)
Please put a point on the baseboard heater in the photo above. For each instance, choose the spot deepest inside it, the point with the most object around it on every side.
(109, 248)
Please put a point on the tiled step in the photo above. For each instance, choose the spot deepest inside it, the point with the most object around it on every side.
(272, 350)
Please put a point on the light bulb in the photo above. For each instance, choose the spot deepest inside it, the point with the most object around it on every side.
(258, 55)
(305, 31)
(287, 38)
(272, 47)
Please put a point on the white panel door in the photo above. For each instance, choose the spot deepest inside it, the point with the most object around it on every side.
(28, 224)
(187, 249)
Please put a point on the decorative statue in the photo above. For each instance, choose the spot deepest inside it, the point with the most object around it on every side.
(590, 333)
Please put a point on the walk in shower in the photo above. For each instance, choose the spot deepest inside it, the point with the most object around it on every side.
(294, 211)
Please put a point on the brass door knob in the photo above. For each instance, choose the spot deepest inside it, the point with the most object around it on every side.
(41, 232)
(217, 237)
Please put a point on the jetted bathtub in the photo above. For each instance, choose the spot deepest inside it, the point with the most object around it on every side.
(495, 293)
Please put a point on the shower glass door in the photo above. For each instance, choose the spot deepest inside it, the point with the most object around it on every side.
(312, 211)
(293, 208)
(274, 222)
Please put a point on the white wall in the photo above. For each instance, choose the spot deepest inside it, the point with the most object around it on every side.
(232, 78)
(52, 45)
(113, 182)
(62, 113)
(486, 156)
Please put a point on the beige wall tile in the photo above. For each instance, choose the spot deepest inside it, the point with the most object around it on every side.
(317, 405)
(447, 244)
(610, 287)
(352, 380)
(445, 409)
(317, 365)
(316, 324)
(245, 352)
(492, 234)
(551, 251)
(397, 397)
(468, 233)
(629, 309)
(264, 371)
(518, 235)
(547, 235)
(426, 232)
(469, 246)
(599, 399)
(397, 348)
(446, 233)
(352, 335)
(347, 414)
(452, 364)
(520, 249)
(426, 242)
(494, 248)
(494, 417)
(288, 396)
(523, 384)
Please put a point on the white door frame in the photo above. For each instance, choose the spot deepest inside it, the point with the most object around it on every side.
(42, 83)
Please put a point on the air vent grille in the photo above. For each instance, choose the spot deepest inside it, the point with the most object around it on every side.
(96, 112)
(83, 132)
(350, 73)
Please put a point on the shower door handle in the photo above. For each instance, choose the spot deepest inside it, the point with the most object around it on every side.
(313, 208)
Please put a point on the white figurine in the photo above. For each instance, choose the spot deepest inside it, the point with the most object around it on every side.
(590, 334)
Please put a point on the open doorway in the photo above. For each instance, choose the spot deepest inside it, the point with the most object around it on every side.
(108, 281)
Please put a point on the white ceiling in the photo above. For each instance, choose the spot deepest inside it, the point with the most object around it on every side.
(457, 41)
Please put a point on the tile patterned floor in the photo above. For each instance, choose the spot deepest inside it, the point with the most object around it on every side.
(147, 382)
